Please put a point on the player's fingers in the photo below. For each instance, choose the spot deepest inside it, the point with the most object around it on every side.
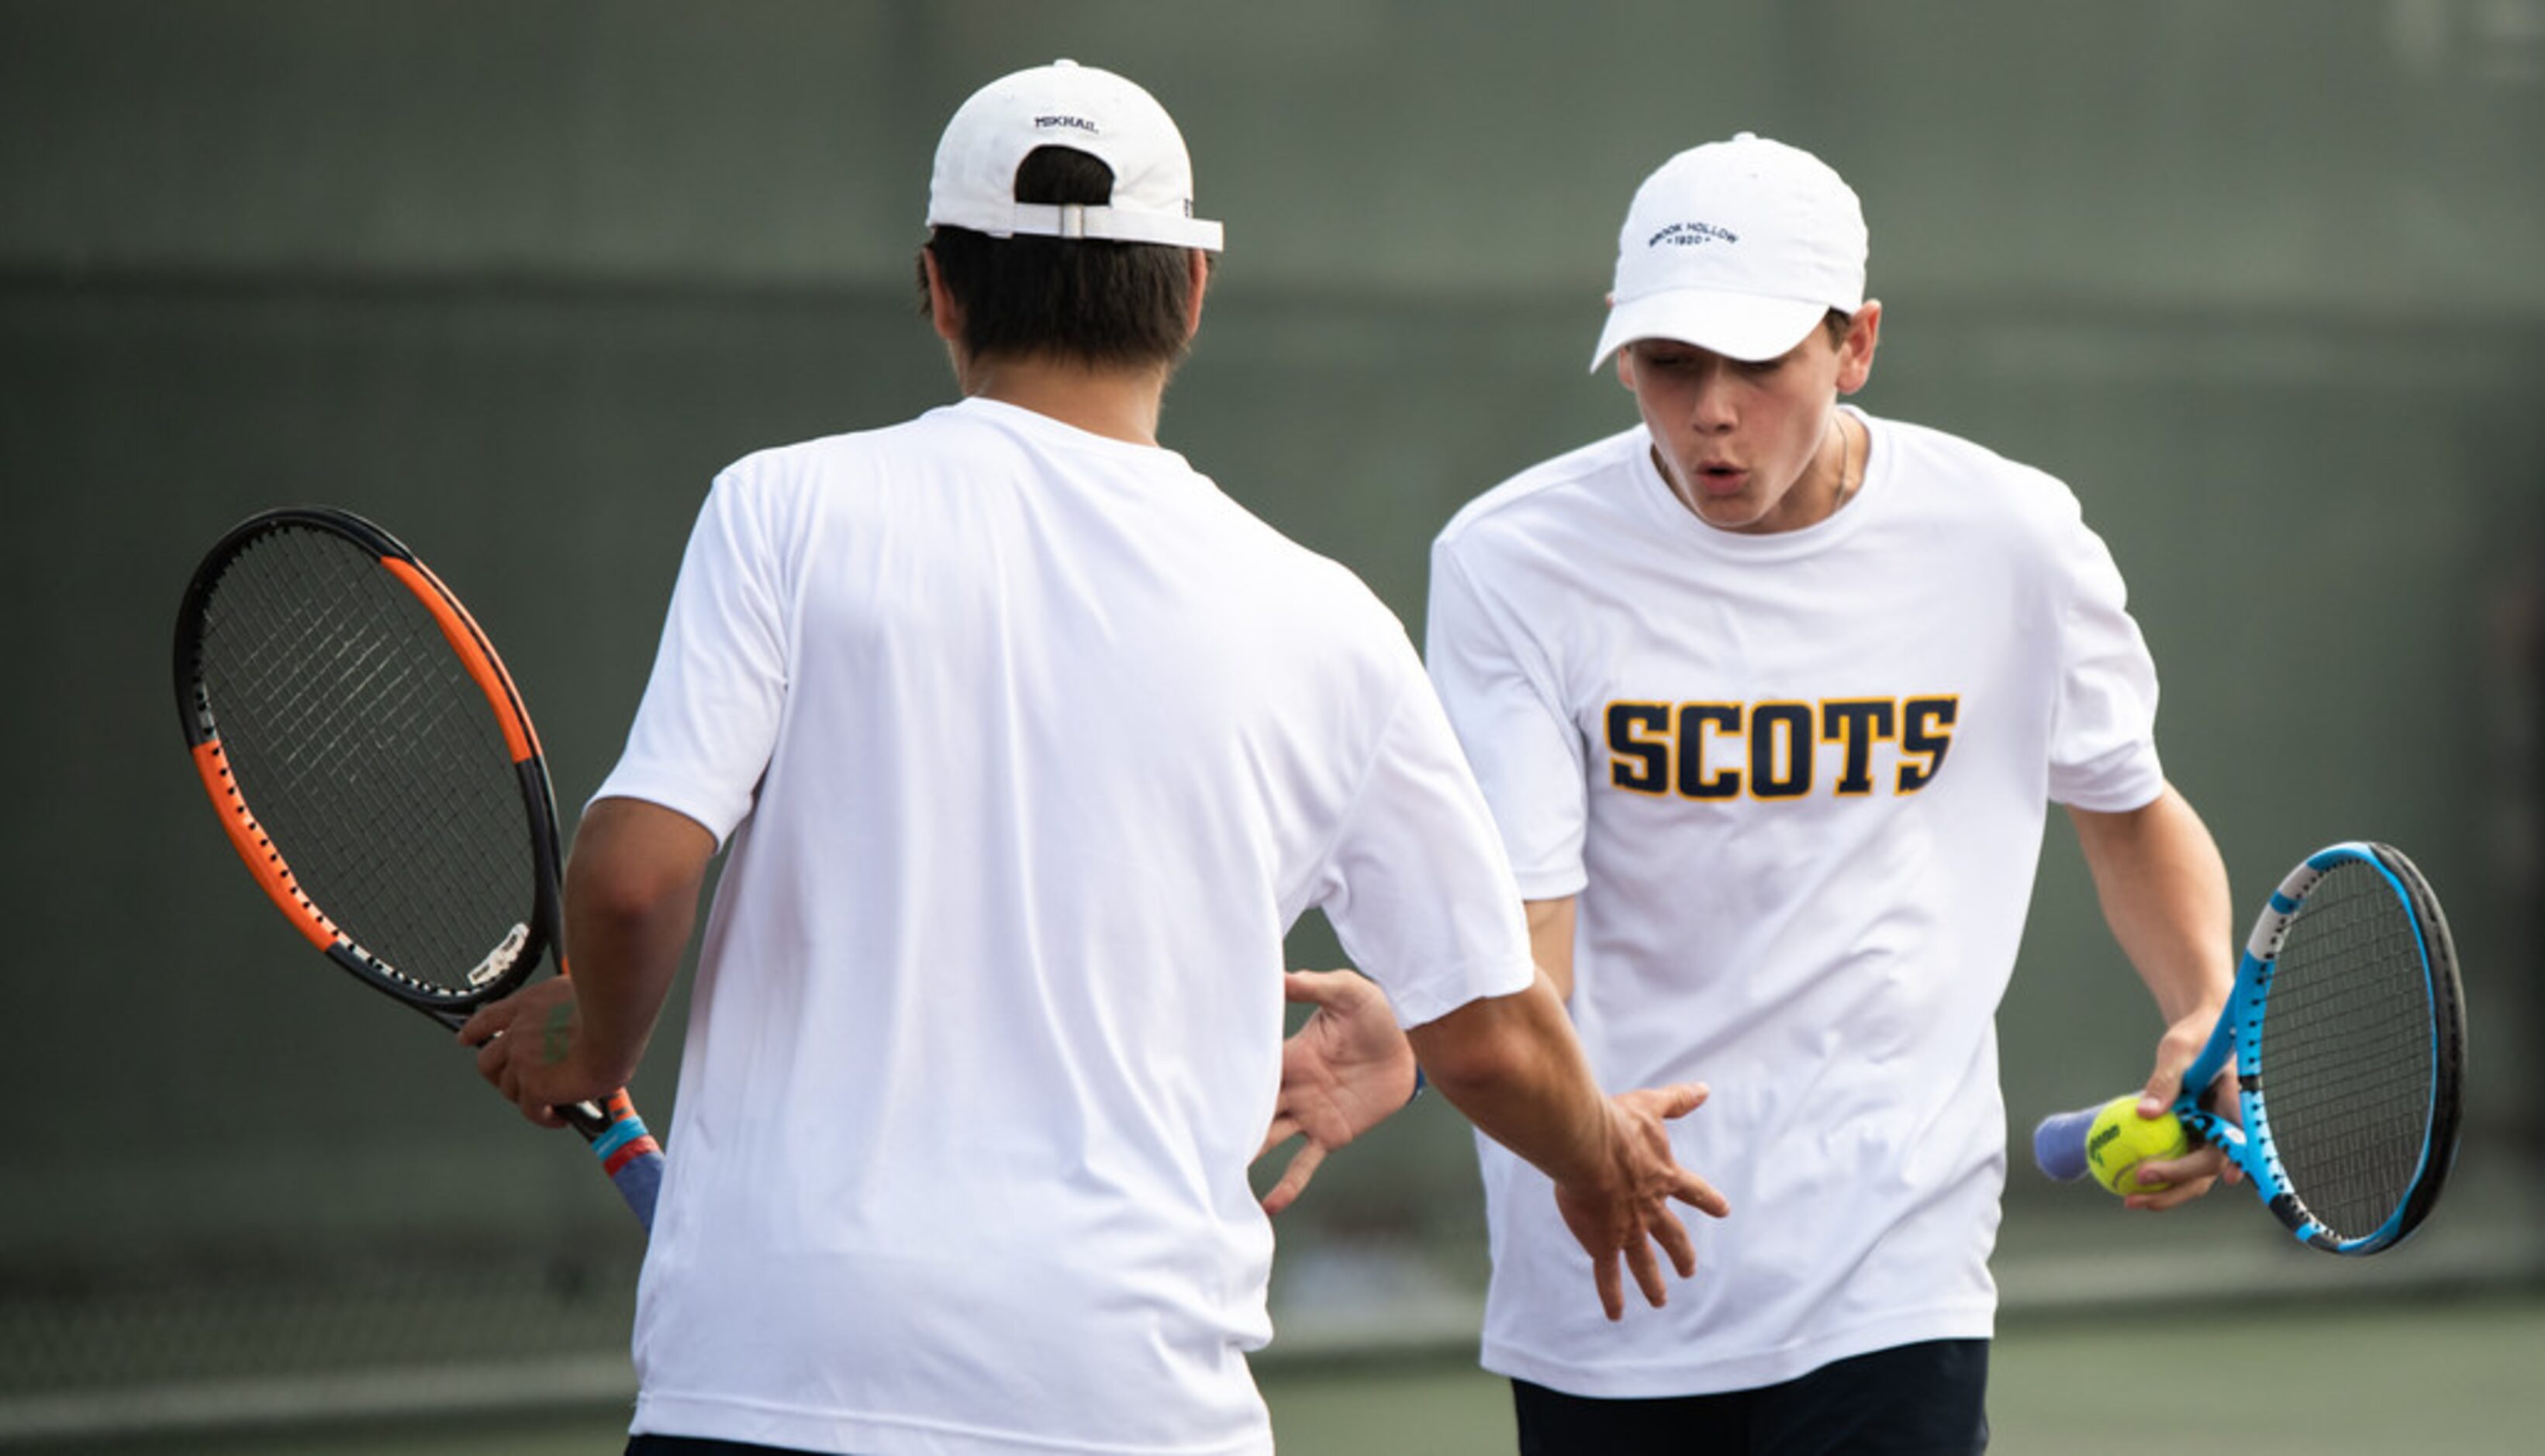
(1667, 1102)
(1284, 1127)
(1700, 1194)
(533, 1105)
(2172, 1197)
(2163, 1085)
(2172, 1170)
(1648, 1273)
(1612, 1289)
(508, 1079)
(2175, 1051)
(486, 1024)
(1294, 1178)
(1671, 1235)
(1316, 988)
(2196, 1170)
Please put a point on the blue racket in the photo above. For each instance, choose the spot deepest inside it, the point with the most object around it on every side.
(2346, 1033)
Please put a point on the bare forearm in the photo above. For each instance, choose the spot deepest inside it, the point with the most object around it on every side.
(632, 892)
(1550, 941)
(1511, 1066)
(2164, 892)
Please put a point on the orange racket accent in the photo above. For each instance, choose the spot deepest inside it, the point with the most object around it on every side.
(622, 1121)
(254, 847)
(460, 629)
(629, 1153)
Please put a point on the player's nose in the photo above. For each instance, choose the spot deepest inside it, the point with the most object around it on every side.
(1713, 404)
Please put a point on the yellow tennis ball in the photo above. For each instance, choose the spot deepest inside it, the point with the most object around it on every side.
(2120, 1140)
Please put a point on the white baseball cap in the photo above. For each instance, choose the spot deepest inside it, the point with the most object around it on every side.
(1092, 110)
(1739, 247)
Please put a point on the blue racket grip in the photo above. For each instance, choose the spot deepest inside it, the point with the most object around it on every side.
(627, 1152)
(640, 1180)
(2059, 1143)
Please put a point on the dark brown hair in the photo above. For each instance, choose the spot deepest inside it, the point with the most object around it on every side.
(1104, 304)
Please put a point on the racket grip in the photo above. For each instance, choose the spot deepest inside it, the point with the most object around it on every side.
(2059, 1143)
(627, 1153)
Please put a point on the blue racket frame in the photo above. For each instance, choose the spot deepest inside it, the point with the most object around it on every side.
(2059, 1143)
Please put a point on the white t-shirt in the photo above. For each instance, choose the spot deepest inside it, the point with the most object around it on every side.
(1031, 746)
(1798, 781)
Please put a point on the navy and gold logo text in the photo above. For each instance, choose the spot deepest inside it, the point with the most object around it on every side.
(1777, 750)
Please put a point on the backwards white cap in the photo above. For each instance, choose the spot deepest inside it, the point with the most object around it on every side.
(1739, 247)
(1092, 110)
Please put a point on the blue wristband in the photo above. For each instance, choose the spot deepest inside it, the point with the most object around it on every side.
(1419, 1084)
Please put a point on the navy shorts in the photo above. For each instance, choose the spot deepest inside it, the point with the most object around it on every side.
(1916, 1400)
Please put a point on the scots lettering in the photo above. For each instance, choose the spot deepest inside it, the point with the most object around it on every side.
(1699, 776)
(1927, 730)
(1847, 746)
(1855, 726)
(1639, 741)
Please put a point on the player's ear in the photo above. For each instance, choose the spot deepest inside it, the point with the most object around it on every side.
(1626, 366)
(1855, 350)
(1200, 262)
(945, 316)
(943, 313)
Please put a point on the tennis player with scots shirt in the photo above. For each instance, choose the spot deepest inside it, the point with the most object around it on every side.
(1025, 746)
(1769, 697)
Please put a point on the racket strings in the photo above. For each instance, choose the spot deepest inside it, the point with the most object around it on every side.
(370, 756)
(2346, 1056)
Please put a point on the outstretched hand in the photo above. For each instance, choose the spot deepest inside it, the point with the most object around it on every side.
(1619, 1218)
(1343, 1073)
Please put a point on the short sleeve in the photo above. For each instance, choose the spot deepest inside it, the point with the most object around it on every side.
(2102, 745)
(708, 721)
(1503, 704)
(1416, 885)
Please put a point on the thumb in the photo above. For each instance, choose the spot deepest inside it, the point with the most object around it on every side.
(486, 1024)
(1315, 988)
(1675, 1101)
(2163, 1085)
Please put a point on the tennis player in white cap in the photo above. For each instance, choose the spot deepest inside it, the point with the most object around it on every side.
(1025, 746)
(1770, 698)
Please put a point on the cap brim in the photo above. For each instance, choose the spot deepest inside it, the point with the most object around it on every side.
(1742, 326)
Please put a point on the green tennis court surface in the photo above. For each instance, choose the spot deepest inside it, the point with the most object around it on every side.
(2459, 1376)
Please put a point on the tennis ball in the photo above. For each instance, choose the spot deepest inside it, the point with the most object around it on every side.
(2120, 1140)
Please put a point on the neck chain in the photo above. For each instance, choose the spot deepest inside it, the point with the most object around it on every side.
(1848, 478)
